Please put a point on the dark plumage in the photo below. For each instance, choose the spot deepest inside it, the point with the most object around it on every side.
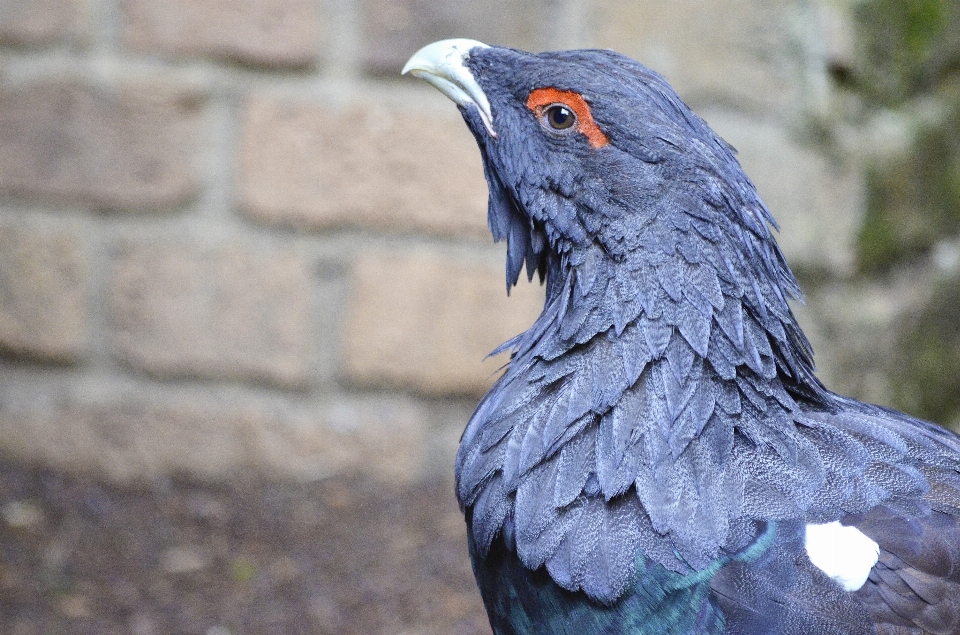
(659, 444)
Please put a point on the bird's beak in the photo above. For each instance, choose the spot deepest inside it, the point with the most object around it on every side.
(441, 64)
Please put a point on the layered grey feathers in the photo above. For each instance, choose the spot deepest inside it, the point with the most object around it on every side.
(667, 392)
(653, 455)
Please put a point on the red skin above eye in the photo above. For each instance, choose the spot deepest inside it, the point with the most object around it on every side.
(540, 98)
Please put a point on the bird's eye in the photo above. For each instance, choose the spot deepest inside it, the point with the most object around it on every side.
(559, 117)
(565, 111)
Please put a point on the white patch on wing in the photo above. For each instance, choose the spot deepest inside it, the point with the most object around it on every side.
(843, 553)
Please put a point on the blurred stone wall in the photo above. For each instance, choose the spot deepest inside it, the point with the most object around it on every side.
(232, 237)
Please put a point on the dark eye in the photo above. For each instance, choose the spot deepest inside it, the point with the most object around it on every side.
(559, 117)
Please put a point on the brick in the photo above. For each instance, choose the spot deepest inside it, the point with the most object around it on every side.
(43, 277)
(426, 321)
(37, 22)
(393, 30)
(132, 438)
(236, 312)
(133, 431)
(381, 438)
(729, 52)
(318, 167)
(262, 32)
(134, 146)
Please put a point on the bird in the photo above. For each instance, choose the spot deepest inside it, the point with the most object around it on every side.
(658, 455)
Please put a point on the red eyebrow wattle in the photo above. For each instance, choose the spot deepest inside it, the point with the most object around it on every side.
(541, 97)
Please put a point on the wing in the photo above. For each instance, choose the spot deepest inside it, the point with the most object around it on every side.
(905, 496)
(915, 586)
(767, 588)
(913, 589)
(771, 587)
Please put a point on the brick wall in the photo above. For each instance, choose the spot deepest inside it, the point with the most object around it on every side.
(231, 236)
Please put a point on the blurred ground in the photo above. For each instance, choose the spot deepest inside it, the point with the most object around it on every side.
(346, 556)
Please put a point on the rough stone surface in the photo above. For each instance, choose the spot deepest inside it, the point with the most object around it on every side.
(181, 310)
(817, 201)
(426, 321)
(853, 327)
(43, 279)
(133, 440)
(129, 146)
(393, 29)
(312, 166)
(34, 22)
(384, 438)
(128, 434)
(734, 52)
(264, 32)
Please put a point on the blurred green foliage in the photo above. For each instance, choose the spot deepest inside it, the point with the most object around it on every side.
(910, 64)
(909, 68)
(907, 45)
(914, 201)
(925, 373)
(242, 570)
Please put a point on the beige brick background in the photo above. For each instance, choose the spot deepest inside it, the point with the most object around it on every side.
(232, 237)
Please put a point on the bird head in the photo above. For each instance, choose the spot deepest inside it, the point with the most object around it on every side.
(594, 164)
(585, 147)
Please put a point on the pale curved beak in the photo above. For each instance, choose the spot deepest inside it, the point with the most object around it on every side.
(441, 64)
